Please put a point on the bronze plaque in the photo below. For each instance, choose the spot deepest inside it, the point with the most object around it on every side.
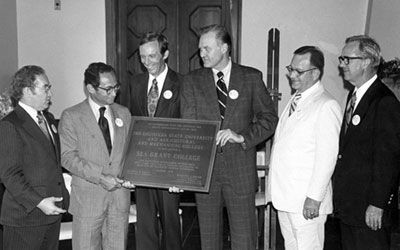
(166, 152)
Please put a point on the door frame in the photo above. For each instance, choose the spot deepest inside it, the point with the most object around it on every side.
(113, 48)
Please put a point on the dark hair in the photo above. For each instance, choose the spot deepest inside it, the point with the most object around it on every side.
(221, 34)
(25, 77)
(316, 57)
(92, 73)
(368, 47)
(153, 36)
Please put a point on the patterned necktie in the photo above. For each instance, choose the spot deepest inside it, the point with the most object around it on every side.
(293, 105)
(152, 98)
(222, 94)
(103, 124)
(350, 109)
(43, 125)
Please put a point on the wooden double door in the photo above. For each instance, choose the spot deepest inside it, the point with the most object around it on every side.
(179, 20)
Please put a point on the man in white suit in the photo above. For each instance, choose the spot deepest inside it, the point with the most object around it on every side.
(304, 154)
(93, 136)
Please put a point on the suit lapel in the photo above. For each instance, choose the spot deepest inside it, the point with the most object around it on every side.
(141, 95)
(171, 85)
(360, 111)
(210, 93)
(30, 126)
(236, 83)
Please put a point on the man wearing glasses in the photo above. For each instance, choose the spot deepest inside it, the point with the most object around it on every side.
(35, 196)
(367, 169)
(304, 154)
(93, 135)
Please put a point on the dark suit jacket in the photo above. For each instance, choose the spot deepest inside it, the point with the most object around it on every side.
(169, 108)
(251, 113)
(369, 156)
(30, 170)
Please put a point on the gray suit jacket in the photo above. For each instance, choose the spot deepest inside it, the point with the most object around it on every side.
(249, 112)
(84, 153)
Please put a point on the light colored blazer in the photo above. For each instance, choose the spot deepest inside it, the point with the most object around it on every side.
(84, 153)
(304, 153)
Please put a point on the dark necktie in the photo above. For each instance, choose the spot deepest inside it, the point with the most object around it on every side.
(222, 94)
(293, 105)
(350, 109)
(43, 125)
(152, 98)
(103, 124)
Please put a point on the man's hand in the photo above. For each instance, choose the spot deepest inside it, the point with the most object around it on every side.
(48, 206)
(128, 184)
(175, 190)
(110, 183)
(373, 217)
(227, 135)
(311, 208)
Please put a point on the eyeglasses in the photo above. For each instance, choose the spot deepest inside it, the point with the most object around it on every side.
(290, 69)
(110, 89)
(346, 59)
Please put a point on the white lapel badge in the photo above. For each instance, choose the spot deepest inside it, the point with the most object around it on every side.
(233, 94)
(119, 122)
(54, 128)
(167, 94)
(356, 120)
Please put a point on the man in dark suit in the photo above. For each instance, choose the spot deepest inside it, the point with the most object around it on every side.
(35, 196)
(156, 93)
(366, 174)
(243, 105)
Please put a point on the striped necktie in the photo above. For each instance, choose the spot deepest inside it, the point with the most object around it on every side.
(222, 94)
(350, 109)
(293, 105)
(43, 125)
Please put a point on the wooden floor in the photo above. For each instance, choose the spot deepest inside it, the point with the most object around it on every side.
(191, 235)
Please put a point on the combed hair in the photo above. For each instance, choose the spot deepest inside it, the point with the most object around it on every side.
(92, 73)
(221, 34)
(153, 36)
(368, 47)
(316, 57)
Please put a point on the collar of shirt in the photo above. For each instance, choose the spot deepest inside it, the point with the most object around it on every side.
(308, 92)
(361, 90)
(227, 74)
(160, 80)
(107, 114)
(31, 111)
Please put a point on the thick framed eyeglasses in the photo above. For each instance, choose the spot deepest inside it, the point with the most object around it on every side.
(109, 89)
(346, 59)
(290, 69)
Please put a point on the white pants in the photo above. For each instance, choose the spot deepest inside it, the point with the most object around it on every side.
(302, 234)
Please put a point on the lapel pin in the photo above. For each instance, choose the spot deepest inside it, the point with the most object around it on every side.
(167, 94)
(233, 94)
(119, 122)
(356, 120)
(54, 128)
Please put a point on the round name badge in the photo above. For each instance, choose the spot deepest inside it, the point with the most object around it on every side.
(233, 94)
(119, 122)
(54, 128)
(168, 94)
(356, 120)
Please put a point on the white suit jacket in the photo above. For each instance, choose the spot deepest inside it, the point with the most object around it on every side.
(304, 153)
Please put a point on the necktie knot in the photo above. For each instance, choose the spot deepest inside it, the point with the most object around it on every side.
(102, 110)
(220, 75)
(293, 105)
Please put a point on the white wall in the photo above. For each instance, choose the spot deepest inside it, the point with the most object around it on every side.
(8, 42)
(62, 42)
(325, 24)
(385, 25)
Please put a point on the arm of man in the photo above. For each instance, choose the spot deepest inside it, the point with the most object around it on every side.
(11, 173)
(327, 147)
(71, 157)
(385, 170)
(188, 103)
(264, 121)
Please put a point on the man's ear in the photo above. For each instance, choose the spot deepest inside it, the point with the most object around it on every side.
(90, 88)
(224, 48)
(316, 73)
(166, 54)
